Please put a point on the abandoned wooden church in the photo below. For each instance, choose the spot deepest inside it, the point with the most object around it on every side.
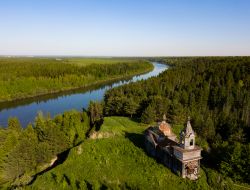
(181, 156)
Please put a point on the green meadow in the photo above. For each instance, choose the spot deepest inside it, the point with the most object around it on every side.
(118, 161)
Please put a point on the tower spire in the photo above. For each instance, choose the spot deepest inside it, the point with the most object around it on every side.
(188, 129)
(164, 117)
(187, 136)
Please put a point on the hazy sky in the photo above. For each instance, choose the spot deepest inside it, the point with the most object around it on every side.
(125, 27)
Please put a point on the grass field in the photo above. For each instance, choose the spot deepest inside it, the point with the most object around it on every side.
(116, 162)
(71, 60)
(29, 77)
(90, 61)
(121, 125)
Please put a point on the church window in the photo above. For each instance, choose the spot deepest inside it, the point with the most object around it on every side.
(191, 142)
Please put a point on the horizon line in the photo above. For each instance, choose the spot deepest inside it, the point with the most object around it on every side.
(117, 56)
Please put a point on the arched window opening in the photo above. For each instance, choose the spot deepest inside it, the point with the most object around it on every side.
(191, 142)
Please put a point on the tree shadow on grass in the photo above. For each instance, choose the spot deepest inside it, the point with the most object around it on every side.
(139, 141)
(136, 139)
(60, 159)
(135, 119)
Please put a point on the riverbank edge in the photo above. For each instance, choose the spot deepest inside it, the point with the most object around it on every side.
(100, 82)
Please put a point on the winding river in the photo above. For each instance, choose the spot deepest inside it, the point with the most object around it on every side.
(27, 109)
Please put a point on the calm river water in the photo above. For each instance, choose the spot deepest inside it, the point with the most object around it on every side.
(27, 109)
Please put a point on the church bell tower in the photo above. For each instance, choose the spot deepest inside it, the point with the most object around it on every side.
(187, 137)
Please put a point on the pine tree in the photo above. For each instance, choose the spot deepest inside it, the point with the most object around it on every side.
(130, 107)
(149, 115)
(14, 124)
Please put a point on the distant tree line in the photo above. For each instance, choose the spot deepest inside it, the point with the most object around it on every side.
(25, 77)
(214, 91)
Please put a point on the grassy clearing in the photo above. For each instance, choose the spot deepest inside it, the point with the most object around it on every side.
(118, 162)
(99, 61)
(121, 125)
(73, 60)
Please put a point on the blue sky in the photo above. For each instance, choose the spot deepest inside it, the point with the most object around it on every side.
(125, 27)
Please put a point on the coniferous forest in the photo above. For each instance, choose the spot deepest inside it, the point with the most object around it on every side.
(213, 91)
(103, 147)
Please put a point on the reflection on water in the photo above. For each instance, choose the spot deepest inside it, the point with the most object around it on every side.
(26, 110)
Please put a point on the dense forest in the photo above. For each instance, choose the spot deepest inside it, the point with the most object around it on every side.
(100, 149)
(26, 152)
(214, 91)
(27, 77)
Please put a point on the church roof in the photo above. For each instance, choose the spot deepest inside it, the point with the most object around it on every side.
(165, 128)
